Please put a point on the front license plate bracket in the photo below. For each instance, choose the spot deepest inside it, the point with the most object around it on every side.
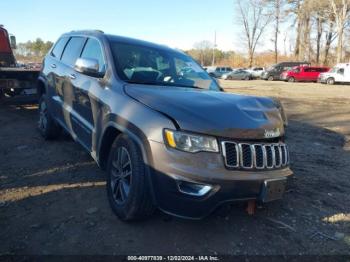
(273, 189)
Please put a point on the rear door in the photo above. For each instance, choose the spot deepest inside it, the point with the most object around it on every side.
(66, 95)
(54, 73)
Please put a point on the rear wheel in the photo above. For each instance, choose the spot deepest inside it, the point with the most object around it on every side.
(247, 78)
(128, 188)
(330, 81)
(47, 125)
(270, 78)
(291, 79)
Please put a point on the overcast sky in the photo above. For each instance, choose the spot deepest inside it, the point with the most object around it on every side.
(176, 23)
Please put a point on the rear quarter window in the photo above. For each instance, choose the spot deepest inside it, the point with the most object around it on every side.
(59, 46)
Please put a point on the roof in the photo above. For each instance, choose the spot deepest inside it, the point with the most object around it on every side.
(121, 39)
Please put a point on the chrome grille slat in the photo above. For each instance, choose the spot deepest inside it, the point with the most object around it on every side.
(255, 156)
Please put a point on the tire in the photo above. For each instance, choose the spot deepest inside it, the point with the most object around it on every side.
(270, 78)
(330, 81)
(47, 125)
(229, 78)
(128, 188)
(291, 79)
(247, 78)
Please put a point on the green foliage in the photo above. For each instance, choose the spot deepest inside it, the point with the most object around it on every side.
(33, 50)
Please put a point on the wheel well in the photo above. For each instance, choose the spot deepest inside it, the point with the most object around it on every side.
(40, 88)
(107, 140)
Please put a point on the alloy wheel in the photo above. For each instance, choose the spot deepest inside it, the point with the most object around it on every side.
(42, 116)
(121, 174)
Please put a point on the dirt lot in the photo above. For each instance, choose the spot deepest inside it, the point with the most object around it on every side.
(53, 200)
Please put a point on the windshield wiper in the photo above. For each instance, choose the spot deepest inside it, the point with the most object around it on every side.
(161, 83)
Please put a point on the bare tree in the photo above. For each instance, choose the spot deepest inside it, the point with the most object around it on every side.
(254, 19)
(204, 48)
(278, 9)
(340, 10)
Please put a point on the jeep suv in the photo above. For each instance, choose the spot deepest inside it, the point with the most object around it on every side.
(167, 139)
(218, 71)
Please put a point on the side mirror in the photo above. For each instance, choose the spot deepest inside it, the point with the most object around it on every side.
(87, 66)
(13, 42)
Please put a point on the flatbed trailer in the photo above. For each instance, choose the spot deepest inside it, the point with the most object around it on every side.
(18, 81)
(14, 80)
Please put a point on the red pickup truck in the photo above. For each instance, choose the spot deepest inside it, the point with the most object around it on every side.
(303, 73)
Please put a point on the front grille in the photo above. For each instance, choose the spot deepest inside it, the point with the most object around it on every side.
(255, 156)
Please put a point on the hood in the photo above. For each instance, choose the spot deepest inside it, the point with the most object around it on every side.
(213, 113)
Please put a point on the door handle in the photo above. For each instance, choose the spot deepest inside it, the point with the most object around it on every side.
(53, 65)
(72, 76)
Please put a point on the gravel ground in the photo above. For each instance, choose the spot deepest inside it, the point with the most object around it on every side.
(53, 199)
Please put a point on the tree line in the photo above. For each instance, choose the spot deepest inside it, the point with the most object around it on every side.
(32, 51)
(316, 32)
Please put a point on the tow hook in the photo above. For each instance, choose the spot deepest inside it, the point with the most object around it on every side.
(251, 207)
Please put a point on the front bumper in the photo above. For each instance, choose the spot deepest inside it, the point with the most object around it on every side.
(173, 166)
(283, 77)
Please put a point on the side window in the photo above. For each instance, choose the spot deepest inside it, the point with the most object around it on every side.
(217, 69)
(59, 46)
(307, 70)
(72, 50)
(341, 71)
(93, 50)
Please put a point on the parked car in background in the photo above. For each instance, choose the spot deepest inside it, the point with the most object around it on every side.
(338, 74)
(274, 72)
(238, 74)
(218, 71)
(303, 73)
(167, 140)
(256, 71)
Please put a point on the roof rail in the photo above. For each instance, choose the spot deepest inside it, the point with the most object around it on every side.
(88, 31)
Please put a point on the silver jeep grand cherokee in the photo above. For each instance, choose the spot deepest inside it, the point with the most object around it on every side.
(161, 127)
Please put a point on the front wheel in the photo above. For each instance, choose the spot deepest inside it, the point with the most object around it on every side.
(291, 79)
(270, 78)
(47, 125)
(247, 78)
(128, 187)
(330, 81)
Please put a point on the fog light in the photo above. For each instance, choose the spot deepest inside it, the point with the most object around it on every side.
(193, 189)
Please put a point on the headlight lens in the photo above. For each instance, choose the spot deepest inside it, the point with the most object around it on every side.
(282, 112)
(190, 142)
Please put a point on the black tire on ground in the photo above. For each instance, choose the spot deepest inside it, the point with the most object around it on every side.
(330, 81)
(291, 79)
(47, 125)
(229, 78)
(247, 78)
(270, 78)
(128, 188)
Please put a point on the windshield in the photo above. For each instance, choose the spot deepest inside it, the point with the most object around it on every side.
(146, 65)
(334, 70)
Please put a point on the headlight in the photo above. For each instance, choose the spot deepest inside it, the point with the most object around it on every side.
(190, 142)
(281, 109)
